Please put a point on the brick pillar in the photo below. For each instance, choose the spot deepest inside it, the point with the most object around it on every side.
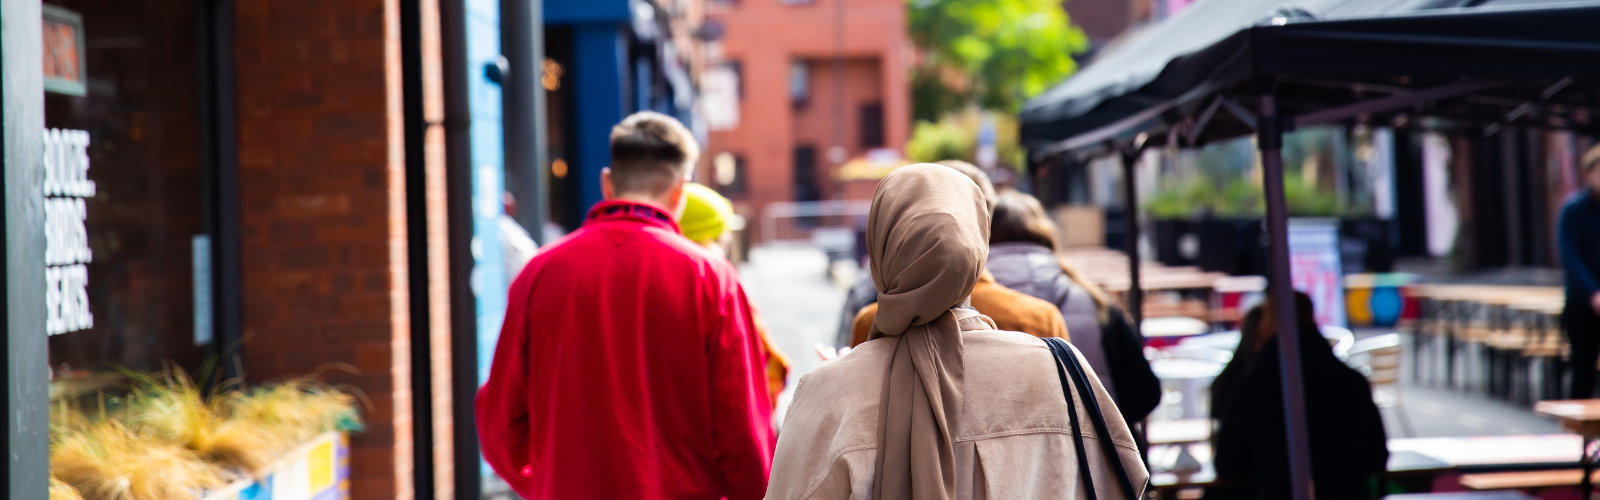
(321, 186)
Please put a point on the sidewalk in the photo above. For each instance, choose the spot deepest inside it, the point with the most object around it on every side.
(800, 305)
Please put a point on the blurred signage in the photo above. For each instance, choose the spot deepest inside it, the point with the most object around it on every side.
(63, 51)
(719, 97)
(1314, 267)
(67, 252)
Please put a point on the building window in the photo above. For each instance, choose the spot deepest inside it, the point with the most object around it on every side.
(728, 175)
(805, 174)
(123, 195)
(871, 125)
(799, 82)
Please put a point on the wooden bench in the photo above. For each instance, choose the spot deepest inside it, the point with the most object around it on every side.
(1527, 480)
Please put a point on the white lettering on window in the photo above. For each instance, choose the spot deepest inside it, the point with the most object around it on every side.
(66, 184)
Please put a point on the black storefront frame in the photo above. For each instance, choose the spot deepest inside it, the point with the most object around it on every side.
(219, 174)
(26, 362)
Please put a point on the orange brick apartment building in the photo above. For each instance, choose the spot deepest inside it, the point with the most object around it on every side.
(794, 110)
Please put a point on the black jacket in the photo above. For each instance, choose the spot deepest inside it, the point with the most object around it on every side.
(1348, 443)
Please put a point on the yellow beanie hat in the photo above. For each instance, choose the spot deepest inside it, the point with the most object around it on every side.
(705, 214)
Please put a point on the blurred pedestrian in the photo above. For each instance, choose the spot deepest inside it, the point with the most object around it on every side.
(516, 245)
(628, 365)
(705, 221)
(1579, 237)
(1022, 257)
(908, 414)
(1010, 310)
(1349, 447)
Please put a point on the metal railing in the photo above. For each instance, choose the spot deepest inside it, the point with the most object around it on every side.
(830, 225)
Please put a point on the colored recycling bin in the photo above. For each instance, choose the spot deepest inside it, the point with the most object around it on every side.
(1379, 300)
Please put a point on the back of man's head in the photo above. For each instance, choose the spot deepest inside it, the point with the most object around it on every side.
(650, 154)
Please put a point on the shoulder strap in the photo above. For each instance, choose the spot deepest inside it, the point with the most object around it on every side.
(1068, 359)
(1072, 416)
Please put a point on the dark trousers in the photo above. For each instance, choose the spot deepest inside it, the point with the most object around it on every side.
(1583, 334)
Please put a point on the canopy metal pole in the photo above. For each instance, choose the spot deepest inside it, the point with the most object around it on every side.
(1130, 209)
(1269, 139)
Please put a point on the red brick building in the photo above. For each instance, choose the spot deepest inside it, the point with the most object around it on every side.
(819, 82)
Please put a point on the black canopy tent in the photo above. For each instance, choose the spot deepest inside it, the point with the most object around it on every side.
(1229, 68)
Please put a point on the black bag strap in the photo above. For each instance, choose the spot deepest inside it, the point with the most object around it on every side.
(1067, 362)
(1072, 415)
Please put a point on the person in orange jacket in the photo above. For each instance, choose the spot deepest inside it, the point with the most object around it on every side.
(707, 220)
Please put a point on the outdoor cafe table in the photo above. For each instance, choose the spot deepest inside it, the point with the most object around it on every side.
(1463, 495)
(1583, 417)
(1191, 376)
(1411, 460)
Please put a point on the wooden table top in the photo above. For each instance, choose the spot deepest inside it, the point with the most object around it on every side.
(1553, 449)
(1408, 456)
(1463, 495)
(1400, 463)
(1190, 430)
(1577, 415)
(1525, 479)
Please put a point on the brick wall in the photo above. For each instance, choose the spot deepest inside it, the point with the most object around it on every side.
(1103, 20)
(323, 212)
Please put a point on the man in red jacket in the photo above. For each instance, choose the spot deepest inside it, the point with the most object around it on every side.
(628, 365)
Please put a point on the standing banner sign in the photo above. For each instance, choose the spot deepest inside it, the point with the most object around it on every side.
(1315, 267)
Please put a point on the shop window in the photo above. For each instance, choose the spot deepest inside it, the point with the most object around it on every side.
(124, 190)
(871, 125)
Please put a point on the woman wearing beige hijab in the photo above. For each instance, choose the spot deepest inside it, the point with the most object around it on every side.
(939, 404)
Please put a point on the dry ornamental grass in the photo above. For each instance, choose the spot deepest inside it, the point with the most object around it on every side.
(171, 440)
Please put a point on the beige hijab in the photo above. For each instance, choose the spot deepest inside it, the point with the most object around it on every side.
(928, 237)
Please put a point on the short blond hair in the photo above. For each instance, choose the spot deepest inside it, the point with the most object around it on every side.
(650, 152)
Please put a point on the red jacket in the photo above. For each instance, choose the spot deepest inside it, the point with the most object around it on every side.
(628, 367)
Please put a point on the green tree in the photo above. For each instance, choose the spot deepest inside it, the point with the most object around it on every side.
(991, 53)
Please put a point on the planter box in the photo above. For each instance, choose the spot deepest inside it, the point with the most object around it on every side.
(318, 470)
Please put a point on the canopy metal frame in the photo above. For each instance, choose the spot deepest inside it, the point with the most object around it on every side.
(1514, 89)
(1268, 124)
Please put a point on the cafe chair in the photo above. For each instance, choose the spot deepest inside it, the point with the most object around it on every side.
(1378, 358)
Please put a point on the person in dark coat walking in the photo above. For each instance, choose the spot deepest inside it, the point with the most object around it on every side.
(1348, 444)
(1579, 238)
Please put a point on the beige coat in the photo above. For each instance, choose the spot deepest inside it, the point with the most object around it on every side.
(1013, 439)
